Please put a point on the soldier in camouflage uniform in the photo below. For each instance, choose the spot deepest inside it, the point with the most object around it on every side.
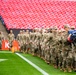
(38, 39)
(43, 44)
(32, 41)
(65, 48)
(32, 38)
(58, 46)
(54, 55)
(23, 41)
(20, 40)
(1, 37)
(49, 42)
(27, 41)
(60, 52)
(11, 37)
(42, 50)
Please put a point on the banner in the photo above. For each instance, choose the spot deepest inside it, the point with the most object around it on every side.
(5, 45)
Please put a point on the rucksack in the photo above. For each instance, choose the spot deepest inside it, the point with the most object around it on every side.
(73, 36)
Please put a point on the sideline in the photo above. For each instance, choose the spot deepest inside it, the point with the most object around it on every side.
(35, 66)
(5, 52)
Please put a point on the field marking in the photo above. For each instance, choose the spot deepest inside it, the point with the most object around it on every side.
(35, 66)
(4, 52)
(3, 60)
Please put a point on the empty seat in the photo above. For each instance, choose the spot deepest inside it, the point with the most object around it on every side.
(37, 13)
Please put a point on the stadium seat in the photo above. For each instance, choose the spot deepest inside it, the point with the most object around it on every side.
(37, 13)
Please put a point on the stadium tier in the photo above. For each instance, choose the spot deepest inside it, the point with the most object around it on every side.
(23, 14)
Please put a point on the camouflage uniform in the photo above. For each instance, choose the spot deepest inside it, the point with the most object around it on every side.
(47, 53)
(65, 50)
(23, 41)
(69, 61)
(1, 37)
(20, 40)
(54, 54)
(27, 41)
(38, 39)
(32, 41)
(49, 42)
(59, 51)
(11, 37)
(74, 61)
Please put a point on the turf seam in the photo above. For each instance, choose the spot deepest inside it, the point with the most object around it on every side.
(32, 64)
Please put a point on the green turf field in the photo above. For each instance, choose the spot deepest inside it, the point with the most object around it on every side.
(48, 68)
(14, 65)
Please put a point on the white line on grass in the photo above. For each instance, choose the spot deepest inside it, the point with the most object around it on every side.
(4, 52)
(3, 60)
(35, 66)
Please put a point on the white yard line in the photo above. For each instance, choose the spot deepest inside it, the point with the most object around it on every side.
(3, 60)
(35, 66)
(4, 52)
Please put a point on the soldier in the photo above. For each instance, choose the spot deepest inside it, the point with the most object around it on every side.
(23, 41)
(11, 37)
(20, 40)
(27, 41)
(43, 43)
(65, 48)
(58, 41)
(49, 42)
(54, 54)
(32, 41)
(42, 50)
(60, 52)
(1, 37)
(38, 38)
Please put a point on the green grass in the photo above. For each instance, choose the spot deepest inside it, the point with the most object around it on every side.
(15, 66)
(48, 68)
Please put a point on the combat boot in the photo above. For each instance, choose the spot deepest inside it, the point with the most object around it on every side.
(64, 70)
(69, 70)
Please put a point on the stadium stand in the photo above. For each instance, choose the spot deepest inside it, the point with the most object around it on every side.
(27, 14)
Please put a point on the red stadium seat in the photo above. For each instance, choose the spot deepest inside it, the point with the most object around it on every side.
(37, 13)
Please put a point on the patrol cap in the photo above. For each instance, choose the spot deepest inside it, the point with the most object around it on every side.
(11, 31)
(59, 31)
(66, 26)
(20, 31)
(55, 28)
(23, 30)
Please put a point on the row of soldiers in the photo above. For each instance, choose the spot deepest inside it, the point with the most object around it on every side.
(52, 46)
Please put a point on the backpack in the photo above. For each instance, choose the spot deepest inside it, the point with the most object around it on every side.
(73, 36)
